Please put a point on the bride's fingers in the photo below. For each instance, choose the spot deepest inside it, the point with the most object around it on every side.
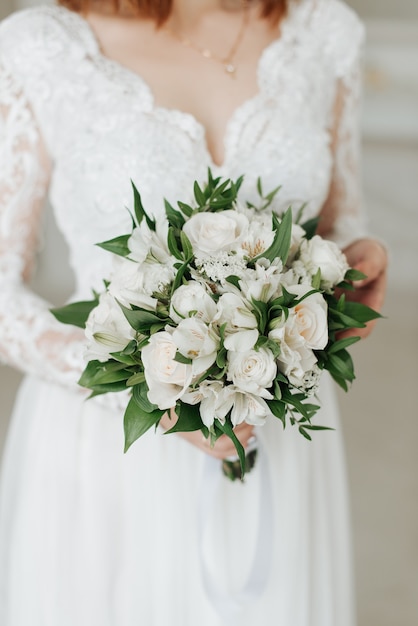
(223, 447)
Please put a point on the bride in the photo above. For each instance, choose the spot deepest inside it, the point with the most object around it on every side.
(93, 94)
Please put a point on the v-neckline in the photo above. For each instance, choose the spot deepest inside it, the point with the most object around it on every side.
(239, 114)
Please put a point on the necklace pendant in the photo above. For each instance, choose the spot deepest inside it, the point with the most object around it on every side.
(230, 69)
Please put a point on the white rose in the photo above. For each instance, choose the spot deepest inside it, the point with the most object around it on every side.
(252, 371)
(197, 341)
(209, 394)
(241, 332)
(107, 329)
(166, 378)
(295, 358)
(192, 297)
(246, 407)
(318, 253)
(127, 284)
(310, 317)
(210, 233)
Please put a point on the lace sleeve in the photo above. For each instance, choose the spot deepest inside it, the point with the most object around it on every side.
(30, 337)
(343, 217)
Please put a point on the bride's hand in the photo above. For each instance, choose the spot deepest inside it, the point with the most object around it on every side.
(370, 257)
(222, 449)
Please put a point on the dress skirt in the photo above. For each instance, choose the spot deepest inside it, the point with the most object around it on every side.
(90, 536)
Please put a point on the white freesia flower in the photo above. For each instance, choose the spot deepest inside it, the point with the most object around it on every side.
(146, 244)
(210, 395)
(192, 297)
(263, 282)
(241, 332)
(210, 233)
(167, 379)
(197, 341)
(246, 407)
(127, 284)
(260, 235)
(252, 371)
(318, 253)
(107, 329)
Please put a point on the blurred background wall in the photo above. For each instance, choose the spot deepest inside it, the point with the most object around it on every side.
(380, 413)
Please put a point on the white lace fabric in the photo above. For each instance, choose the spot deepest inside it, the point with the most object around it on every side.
(83, 125)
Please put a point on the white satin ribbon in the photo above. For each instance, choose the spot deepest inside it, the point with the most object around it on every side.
(229, 606)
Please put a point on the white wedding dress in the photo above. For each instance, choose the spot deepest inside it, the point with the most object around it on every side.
(90, 536)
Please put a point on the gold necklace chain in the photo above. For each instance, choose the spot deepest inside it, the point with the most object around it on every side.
(227, 61)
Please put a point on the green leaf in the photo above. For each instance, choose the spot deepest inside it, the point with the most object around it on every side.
(281, 243)
(180, 358)
(198, 194)
(97, 373)
(140, 396)
(342, 344)
(140, 212)
(316, 280)
(360, 312)
(278, 408)
(229, 432)
(175, 218)
(118, 245)
(140, 319)
(136, 379)
(185, 208)
(75, 313)
(137, 422)
(342, 364)
(260, 310)
(179, 276)
(353, 274)
(310, 227)
(188, 418)
(173, 245)
(187, 246)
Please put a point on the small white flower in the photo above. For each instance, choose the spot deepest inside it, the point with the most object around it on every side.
(221, 265)
(167, 379)
(252, 371)
(197, 341)
(241, 332)
(209, 394)
(146, 244)
(318, 253)
(192, 297)
(107, 329)
(210, 233)
(127, 284)
(260, 235)
(246, 407)
(263, 282)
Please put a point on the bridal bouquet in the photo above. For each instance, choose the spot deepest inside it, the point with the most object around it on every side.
(223, 312)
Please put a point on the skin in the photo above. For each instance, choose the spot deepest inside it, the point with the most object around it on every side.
(172, 70)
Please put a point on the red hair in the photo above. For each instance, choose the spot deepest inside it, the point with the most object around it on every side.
(159, 10)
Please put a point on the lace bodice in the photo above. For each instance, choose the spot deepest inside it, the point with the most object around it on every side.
(81, 126)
